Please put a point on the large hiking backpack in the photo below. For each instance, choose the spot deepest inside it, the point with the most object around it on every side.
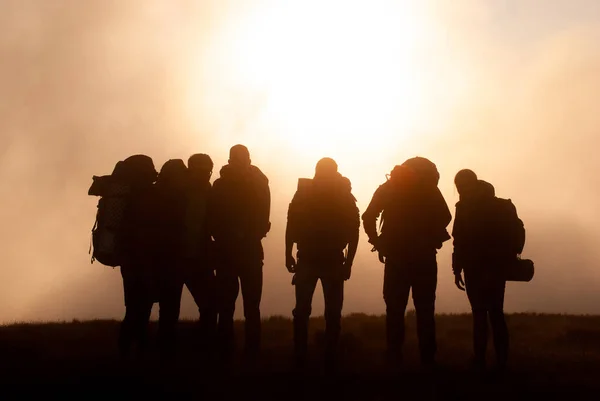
(512, 232)
(114, 191)
(322, 219)
(511, 226)
(425, 170)
(424, 173)
(422, 170)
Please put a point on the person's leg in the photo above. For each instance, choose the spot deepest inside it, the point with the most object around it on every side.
(476, 292)
(192, 279)
(227, 285)
(169, 307)
(396, 289)
(305, 283)
(142, 327)
(208, 307)
(126, 332)
(498, 323)
(251, 280)
(138, 306)
(201, 282)
(333, 293)
(424, 286)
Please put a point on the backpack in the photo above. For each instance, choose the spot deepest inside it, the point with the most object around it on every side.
(425, 174)
(240, 204)
(512, 241)
(115, 191)
(323, 220)
(512, 227)
(425, 170)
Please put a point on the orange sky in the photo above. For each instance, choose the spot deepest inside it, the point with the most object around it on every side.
(508, 90)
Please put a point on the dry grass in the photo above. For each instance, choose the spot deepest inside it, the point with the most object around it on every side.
(553, 356)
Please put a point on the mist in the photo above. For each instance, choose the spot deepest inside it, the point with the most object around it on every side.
(511, 93)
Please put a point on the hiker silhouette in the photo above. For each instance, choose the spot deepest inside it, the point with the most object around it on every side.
(138, 174)
(198, 273)
(167, 215)
(323, 220)
(415, 216)
(480, 233)
(239, 211)
(162, 244)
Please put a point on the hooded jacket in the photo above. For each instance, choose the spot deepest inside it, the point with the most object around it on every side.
(240, 205)
(197, 236)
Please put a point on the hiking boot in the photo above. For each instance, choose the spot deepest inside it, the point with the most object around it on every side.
(250, 360)
(500, 370)
(429, 366)
(330, 366)
(478, 367)
(299, 362)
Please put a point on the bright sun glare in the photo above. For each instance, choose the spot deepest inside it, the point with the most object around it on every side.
(332, 74)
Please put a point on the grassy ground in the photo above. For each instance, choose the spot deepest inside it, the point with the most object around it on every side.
(552, 356)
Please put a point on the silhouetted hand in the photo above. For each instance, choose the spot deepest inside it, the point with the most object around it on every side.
(458, 280)
(347, 270)
(375, 241)
(290, 263)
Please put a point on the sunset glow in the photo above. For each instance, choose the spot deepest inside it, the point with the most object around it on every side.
(327, 75)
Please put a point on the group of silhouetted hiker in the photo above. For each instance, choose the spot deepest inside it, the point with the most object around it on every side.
(173, 228)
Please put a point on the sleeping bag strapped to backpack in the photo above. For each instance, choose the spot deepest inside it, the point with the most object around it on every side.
(115, 192)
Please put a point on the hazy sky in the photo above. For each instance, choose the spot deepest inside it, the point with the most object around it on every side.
(508, 88)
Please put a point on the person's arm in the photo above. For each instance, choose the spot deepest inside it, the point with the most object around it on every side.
(264, 201)
(370, 216)
(352, 247)
(212, 210)
(353, 243)
(442, 217)
(267, 211)
(457, 269)
(290, 262)
(457, 254)
(290, 237)
(445, 215)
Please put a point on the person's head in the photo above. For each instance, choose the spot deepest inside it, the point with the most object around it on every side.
(466, 182)
(326, 168)
(486, 189)
(173, 173)
(200, 167)
(137, 169)
(239, 156)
